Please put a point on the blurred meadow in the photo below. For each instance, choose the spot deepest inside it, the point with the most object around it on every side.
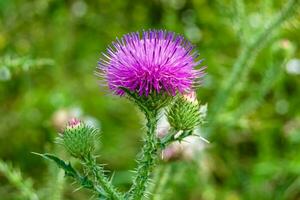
(49, 51)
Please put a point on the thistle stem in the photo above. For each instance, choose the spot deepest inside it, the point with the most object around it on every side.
(101, 180)
(147, 159)
(171, 137)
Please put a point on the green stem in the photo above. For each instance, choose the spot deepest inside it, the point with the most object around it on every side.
(246, 57)
(239, 8)
(171, 137)
(100, 179)
(147, 159)
(271, 75)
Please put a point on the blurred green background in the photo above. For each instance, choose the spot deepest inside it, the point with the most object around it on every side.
(49, 51)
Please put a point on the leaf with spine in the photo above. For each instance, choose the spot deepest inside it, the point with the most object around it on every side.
(70, 171)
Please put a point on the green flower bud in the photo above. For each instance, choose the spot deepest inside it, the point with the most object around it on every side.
(78, 138)
(184, 113)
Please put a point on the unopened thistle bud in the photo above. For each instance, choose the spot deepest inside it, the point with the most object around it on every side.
(184, 113)
(78, 138)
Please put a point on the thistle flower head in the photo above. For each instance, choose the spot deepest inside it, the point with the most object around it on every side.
(184, 113)
(158, 61)
(78, 138)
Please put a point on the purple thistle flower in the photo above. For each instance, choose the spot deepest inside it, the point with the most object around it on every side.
(159, 61)
(73, 123)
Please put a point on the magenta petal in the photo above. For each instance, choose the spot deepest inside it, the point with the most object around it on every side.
(158, 61)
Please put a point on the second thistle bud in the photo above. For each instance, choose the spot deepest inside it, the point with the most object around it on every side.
(184, 113)
(78, 138)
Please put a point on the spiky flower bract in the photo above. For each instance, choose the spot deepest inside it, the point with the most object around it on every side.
(78, 138)
(156, 61)
(184, 113)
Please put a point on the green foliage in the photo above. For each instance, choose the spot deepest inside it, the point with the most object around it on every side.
(78, 139)
(146, 160)
(69, 170)
(10, 67)
(15, 177)
(55, 185)
(107, 190)
(253, 102)
(249, 52)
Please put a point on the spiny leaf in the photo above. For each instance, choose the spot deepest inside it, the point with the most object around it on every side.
(69, 170)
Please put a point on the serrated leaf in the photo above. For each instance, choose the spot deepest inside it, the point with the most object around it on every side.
(67, 167)
(69, 170)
